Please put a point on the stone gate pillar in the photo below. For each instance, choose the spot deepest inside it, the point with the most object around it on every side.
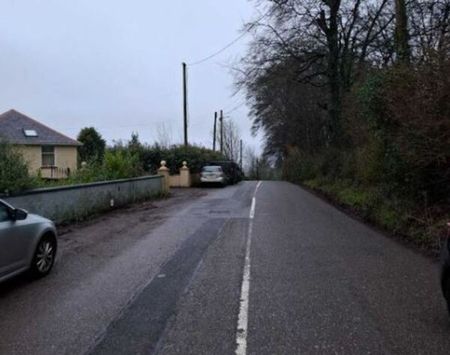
(164, 171)
(185, 176)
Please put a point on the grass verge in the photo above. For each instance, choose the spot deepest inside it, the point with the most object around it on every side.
(424, 227)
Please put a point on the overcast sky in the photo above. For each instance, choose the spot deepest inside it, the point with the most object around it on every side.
(116, 64)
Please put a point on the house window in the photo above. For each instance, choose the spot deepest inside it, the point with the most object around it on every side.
(48, 155)
(30, 133)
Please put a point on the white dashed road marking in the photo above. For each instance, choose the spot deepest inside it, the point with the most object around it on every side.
(242, 326)
(252, 209)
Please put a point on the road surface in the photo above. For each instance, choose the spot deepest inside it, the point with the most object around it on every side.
(257, 268)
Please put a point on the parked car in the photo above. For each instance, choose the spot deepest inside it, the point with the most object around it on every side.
(213, 174)
(27, 242)
(445, 269)
(231, 169)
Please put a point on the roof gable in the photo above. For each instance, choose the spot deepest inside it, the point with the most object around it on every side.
(17, 128)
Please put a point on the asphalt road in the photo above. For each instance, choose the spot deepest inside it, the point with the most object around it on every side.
(268, 265)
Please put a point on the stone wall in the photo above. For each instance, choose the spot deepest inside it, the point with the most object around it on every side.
(77, 202)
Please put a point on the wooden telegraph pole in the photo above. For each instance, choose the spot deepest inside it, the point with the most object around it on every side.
(214, 130)
(240, 153)
(185, 105)
(221, 131)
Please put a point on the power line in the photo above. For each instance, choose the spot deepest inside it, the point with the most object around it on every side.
(219, 51)
(230, 43)
(235, 108)
(135, 125)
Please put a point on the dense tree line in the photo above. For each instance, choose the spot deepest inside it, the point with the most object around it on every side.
(355, 91)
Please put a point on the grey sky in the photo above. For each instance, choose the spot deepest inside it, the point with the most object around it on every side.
(116, 65)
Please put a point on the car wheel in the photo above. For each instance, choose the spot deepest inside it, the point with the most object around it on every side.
(44, 256)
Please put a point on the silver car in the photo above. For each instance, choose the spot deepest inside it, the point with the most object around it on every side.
(213, 174)
(27, 242)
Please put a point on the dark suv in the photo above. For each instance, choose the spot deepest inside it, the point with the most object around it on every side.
(445, 270)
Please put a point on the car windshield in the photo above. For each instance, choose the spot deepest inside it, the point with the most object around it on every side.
(212, 169)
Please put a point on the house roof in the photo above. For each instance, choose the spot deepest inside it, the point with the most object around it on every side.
(13, 127)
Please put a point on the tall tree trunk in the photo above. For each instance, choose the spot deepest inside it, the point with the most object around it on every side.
(331, 29)
(401, 32)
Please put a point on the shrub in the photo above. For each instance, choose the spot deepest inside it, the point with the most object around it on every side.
(14, 175)
(369, 163)
(418, 103)
(298, 167)
(120, 164)
(117, 164)
(399, 123)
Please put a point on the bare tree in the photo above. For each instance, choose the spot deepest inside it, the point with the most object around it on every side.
(231, 139)
(327, 41)
(164, 135)
(251, 163)
(429, 29)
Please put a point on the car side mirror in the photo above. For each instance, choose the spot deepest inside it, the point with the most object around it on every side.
(18, 214)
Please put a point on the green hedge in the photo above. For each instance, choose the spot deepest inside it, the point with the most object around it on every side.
(13, 170)
(150, 157)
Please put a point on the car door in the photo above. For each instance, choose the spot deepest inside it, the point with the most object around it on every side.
(12, 249)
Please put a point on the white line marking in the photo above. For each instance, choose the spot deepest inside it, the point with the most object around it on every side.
(252, 209)
(258, 185)
(242, 326)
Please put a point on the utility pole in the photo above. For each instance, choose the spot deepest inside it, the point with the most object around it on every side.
(240, 153)
(215, 133)
(221, 131)
(185, 105)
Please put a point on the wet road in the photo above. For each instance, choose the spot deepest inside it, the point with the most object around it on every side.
(268, 265)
